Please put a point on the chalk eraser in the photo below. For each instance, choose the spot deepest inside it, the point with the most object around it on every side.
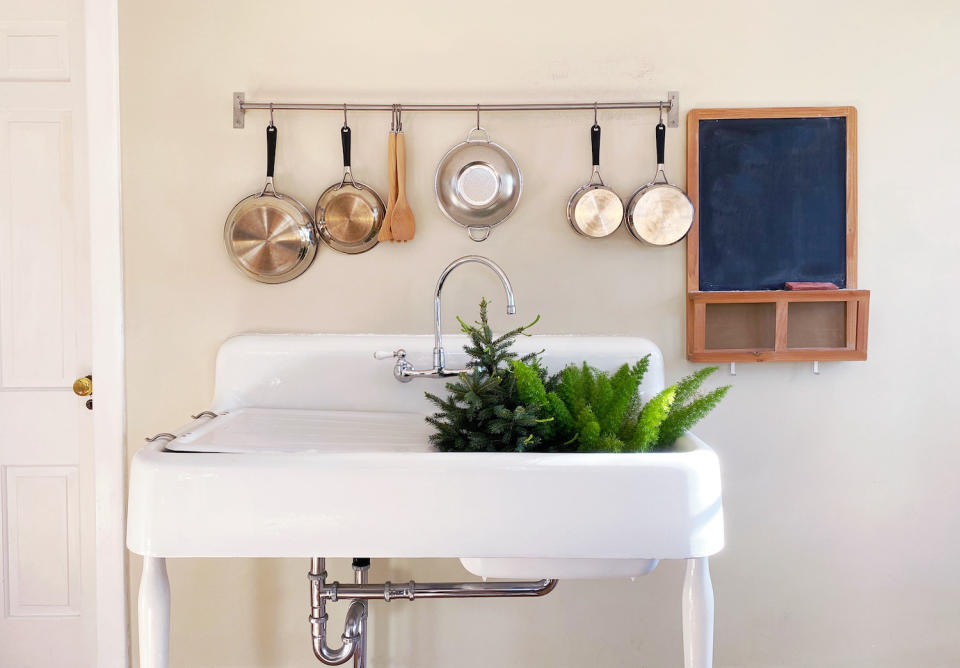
(810, 285)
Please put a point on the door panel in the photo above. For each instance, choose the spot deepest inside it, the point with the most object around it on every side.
(47, 547)
(34, 51)
(43, 548)
(37, 276)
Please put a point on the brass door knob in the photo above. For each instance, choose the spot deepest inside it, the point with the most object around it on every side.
(83, 387)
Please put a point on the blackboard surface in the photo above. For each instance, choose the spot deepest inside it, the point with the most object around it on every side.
(772, 204)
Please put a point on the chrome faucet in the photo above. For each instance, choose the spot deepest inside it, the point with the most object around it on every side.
(403, 370)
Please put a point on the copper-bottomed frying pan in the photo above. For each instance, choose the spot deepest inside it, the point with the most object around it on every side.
(349, 213)
(270, 237)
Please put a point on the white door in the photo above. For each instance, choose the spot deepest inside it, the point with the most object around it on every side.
(47, 546)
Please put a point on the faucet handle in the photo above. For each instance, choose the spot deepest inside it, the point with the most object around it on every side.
(400, 353)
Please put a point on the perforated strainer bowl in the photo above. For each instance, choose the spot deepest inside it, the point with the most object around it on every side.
(478, 184)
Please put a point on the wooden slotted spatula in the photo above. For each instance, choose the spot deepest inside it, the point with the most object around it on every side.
(403, 224)
(386, 231)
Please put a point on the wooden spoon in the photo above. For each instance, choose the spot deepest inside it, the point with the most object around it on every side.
(402, 225)
(386, 233)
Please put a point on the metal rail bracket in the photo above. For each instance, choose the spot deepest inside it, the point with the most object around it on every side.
(238, 113)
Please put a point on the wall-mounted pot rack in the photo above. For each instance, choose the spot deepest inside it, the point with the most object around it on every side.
(671, 105)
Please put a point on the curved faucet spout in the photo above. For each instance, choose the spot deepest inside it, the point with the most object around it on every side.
(439, 356)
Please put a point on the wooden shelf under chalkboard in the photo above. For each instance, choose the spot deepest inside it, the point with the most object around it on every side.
(777, 325)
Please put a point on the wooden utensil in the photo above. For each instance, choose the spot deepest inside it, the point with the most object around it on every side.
(386, 231)
(403, 224)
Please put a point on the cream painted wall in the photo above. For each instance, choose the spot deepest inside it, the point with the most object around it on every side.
(840, 489)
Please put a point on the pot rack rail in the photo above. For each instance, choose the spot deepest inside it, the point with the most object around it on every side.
(671, 106)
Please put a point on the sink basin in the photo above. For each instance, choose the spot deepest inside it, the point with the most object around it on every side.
(316, 450)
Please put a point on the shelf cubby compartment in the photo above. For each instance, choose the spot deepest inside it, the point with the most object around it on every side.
(777, 325)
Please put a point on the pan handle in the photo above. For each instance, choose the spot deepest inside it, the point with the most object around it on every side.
(486, 135)
(345, 142)
(482, 233)
(661, 140)
(271, 149)
(595, 144)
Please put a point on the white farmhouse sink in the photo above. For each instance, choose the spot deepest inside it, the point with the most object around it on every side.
(292, 469)
(317, 450)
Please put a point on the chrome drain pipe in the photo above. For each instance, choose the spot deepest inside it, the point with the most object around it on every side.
(355, 622)
(361, 567)
(355, 633)
(411, 590)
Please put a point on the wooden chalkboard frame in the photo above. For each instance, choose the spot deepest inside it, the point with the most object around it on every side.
(693, 174)
(857, 301)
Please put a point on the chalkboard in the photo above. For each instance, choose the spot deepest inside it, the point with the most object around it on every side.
(772, 202)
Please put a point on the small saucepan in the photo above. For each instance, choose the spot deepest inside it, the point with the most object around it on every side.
(595, 210)
(659, 214)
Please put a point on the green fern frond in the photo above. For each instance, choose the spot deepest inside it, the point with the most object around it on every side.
(530, 387)
(651, 417)
(682, 419)
(688, 385)
(589, 430)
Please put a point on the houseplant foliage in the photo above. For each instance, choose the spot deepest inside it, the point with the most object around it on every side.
(507, 403)
(483, 411)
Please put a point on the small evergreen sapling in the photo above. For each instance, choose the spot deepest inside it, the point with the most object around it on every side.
(483, 411)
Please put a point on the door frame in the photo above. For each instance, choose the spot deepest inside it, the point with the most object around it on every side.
(101, 37)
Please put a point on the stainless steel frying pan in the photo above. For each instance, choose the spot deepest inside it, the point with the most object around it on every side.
(349, 213)
(595, 210)
(270, 237)
(659, 214)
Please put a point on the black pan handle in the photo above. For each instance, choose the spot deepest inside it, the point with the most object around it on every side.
(661, 140)
(271, 149)
(595, 144)
(345, 141)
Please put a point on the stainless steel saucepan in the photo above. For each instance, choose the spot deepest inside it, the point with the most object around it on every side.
(659, 214)
(478, 184)
(270, 237)
(349, 213)
(595, 210)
